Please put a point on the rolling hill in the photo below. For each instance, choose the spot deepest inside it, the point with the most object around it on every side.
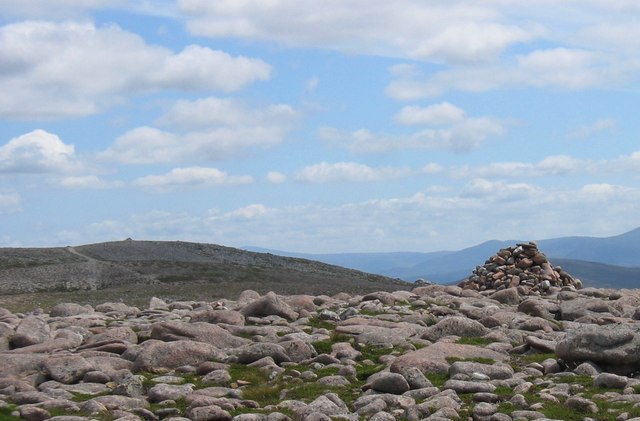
(133, 271)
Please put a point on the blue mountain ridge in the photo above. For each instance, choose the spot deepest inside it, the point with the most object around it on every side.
(598, 261)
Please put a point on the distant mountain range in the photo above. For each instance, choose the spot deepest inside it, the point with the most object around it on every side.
(598, 262)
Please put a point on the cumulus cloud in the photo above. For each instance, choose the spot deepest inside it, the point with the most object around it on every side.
(436, 219)
(147, 145)
(190, 177)
(87, 182)
(10, 202)
(441, 114)
(211, 112)
(564, 68)
(37, 152)
(348, 172)
(54, 8)
(203, 130)
(67, 69)
(450, 130)
(550, 166)
(276, 177)
(452, 32)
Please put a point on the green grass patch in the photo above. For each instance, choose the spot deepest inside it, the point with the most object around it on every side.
(253, 375)
(318, 323)
(364, 371)
(5, 413)
(474, 340)
(437, 379)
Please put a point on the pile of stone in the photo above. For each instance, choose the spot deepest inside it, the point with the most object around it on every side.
(523, 265)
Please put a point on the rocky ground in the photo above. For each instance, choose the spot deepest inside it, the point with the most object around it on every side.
(436, 352)
(518, 340)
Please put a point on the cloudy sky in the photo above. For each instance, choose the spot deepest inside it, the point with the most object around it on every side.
(318, 126)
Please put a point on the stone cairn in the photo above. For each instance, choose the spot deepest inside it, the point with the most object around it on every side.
(520, 266)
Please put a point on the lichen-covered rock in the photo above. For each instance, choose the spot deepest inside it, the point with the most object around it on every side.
(158, 355)
(269, 305)
(612, 346)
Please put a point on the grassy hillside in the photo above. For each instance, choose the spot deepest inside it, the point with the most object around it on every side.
(132, 271)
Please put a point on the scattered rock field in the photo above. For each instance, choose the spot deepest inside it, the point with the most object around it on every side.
(433, 353)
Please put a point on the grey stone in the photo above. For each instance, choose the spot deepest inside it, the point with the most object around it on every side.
(33, 413)
(217, 377)
(230, 317)
(298, 350)
(70, 309)
(208, 413)
(158, 355)
(197, 331)
(257, 351)
(459, 326)
(269, 305)
(608, 345)
(462, 386)
(30, 331)
(163, 392)
(389, 383)
(67, 368)
(610, 380)
(415, 378)
(497, 371)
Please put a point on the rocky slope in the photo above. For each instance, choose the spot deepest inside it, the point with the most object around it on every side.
(178, 270)
(435, 353)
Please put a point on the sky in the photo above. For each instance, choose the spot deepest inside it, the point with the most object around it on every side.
(318, 126)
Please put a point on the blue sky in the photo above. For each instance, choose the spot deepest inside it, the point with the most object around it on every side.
(333, 126)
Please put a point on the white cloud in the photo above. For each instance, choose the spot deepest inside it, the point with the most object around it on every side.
(441, 114)
(348, 172)
(460, 134)
(148, 145)
(54, 8)
(37, 152)
(204, 130)
(87, 182)
(276, 177)
(190, 177)
(213, 112)
(589, 130)
(451, 32)
(440, 219)
(563, 68)
(248, 212)
(499, 190)
(550, 166)
(55, 70)
(10, 202)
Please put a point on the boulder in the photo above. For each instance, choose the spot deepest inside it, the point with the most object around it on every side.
(67, 369)
(157, 355)
(612, 346)
(31, 330)
(433, 358)
(255, 352)
(197, 331)
(230, 317)
(269, 305)
(459, 326)
(385, 382)
(70, 309)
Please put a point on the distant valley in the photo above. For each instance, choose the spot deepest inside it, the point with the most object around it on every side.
(600, 262)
